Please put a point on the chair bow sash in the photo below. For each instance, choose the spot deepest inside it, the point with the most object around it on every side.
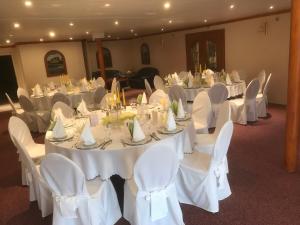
(220, 173)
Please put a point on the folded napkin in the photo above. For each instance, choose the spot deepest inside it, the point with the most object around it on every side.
(144, 99)
(83, 81)
(228, 80)
(84, 88)
(180, 110)
(191, 80)
(37, 91)
(170, 123)
(86, 136)
(235, 76)
(63, 89)
(59, 129)
(138, 134)
(82, 108)
(51, 85)
(59, 114)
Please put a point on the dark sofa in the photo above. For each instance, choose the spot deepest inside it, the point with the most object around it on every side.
(137, 80)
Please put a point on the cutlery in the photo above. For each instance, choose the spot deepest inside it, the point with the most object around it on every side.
(155, 136)
(106, 144)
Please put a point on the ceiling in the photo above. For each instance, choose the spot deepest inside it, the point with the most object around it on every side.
(144, 16)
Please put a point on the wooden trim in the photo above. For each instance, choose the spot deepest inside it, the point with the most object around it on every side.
(85, 58)
(101, 58)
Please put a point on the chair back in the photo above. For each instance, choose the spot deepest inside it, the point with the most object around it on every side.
(62, 175)
(201, 108)
(222, 142)
(26, 104)
(22, 91)
(60, 97)
(157, 95)
(266, 88)
(175, 93)
(218, 93)
(11, 103)
(99, 94)
(182, 75)
(157, 167)
(159, 83)
(252, 90)
(100, 82)
(66, 110)
(106, 97)
(261, 78)
(148, 88)
(224, 115)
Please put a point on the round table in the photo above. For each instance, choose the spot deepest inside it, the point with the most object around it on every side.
(116, 158)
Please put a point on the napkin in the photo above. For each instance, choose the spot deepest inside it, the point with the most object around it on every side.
(59, 114)
(191, 80)
(228, 80)
(82, 108)
(84, 88)
(86, 136)
(180, 110)
(170, 123)
(144, 99)
(51, 85)
(138, 134)
(59, 129)
(63, 89)
(37, 91)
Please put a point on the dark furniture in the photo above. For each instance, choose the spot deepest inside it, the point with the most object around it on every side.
(110, 75)
(137, 80)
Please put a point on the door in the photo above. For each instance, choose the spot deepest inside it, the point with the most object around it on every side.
(8, 81)
(207, 49)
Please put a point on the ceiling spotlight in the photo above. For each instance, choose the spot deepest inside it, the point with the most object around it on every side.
(108, 36)
(41, 39)
(162, 29)
(87, 32)
(135, 34)
(52, 34)
(71, 24)
(28, 3)
(170, 21)
(16, 25)
(271, 7)
(232, 6)
(70, 38)
(131, 30)
(167, 5)
(205, 21)
(116, 22)
(107, 5)
(7, 41)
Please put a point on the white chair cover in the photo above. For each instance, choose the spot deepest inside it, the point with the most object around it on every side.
(22, 91)
(202, 179)
(201, 111)
(244, 109)
(175, 93)
(217, 95)
(182, 75)
(60, 97)
(100, 82)
(150, 198)
(18, 112)
(36, 120)
(148, 88)
(261, 78)
(30, 155)
(159, 83)
(67, 111)
(262, 99)
(156, 97)
(75, 200)
(98, 95)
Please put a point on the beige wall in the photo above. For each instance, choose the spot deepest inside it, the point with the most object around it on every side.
(32, 58)
(247, 49)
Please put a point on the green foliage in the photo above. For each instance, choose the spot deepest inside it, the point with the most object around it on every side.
(139, 99)
(174, 107)
(130, 127)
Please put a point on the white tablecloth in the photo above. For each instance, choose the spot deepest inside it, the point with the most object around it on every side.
(115, 159)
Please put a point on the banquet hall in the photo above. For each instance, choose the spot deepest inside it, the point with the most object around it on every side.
(162, 112)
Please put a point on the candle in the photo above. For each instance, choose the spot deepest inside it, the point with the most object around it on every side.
(123, 95)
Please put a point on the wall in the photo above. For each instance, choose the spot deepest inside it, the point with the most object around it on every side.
(246, 49)
(32, 58)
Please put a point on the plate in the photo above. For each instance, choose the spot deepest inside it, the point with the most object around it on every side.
(67, 137)
(186, 117)
(163, 130)
(128, 141)
(80, 145)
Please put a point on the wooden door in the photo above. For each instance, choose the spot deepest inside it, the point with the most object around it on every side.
(207, 49)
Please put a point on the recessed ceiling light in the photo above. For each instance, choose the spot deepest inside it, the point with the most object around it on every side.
(271, 7)
(108, 36)
(116, 22)
(167, 5)
(170, 21)
(87, 32)
(70, 38)
(41, 39)
(131, 30)
(205, 21)
(28, 3)
(107, 5)
(11, 35)
(162, 29)
(7, 41)
(232, 6)
(135, 34)
(52, 34)
(71, 24)
(16, 25)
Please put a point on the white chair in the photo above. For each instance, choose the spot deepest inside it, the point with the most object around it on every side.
(262, 99)
(182, 75)
(217, 95)
(36, 120)
(66, 110)
(261, 78)
(100, 82)
(75, 200)
(244, 109)
(159, 83)
(18, 112)
(60, 97)
(22, 91)
(30, 155)
(98, 96)
(148, 88)
(175, 93)
(105, 100)
(201, 111)
(157, 96)
(202, 178)
(150, 196)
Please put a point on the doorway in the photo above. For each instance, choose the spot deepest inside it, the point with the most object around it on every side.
(8, 81)
(206, 49)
